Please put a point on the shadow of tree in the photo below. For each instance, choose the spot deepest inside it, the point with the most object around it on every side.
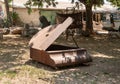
(100, 71)
(39, 65)
(11, 50)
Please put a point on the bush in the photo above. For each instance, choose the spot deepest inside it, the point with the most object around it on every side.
(15, 19)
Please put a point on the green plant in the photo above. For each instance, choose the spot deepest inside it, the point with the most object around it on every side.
(15, 18)
(6, 23)
(8, 73)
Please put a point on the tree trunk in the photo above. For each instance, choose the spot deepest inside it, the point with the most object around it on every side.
(7, 11)
(89, 21)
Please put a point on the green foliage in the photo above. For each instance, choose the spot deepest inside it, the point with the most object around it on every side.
(15, 18)
(8, 74)
(6, 23)
(91, 2)
(14, 15)
(39, 4)
(10, 1)
(115, 2)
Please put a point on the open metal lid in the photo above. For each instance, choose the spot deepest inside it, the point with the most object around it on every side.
(45, 37)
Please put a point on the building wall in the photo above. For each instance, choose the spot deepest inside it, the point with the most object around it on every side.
(32, 18)
(3, 8)
(50, 15)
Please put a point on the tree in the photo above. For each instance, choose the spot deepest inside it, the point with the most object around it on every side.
(88, 5)
(39, 4)
(7, 11)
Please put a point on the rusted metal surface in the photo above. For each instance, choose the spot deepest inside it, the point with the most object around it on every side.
(42, 49)
(59, 56)
(44, 38)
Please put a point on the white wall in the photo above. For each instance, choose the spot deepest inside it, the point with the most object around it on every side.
(28, 18)
(3, 8)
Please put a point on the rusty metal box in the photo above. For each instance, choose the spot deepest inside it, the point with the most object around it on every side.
(43, 50)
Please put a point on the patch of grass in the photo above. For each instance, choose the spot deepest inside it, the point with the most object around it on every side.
(94, 82)
(8, 73)
(1, 75)
(34, 72)
(7, 82)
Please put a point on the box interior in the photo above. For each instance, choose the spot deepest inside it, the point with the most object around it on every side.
(55, 47)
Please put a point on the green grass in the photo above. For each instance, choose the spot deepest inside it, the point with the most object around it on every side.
(8, 74)
(34, 72)
(26, 71)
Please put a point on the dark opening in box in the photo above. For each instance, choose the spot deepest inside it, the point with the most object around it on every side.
(55, 47)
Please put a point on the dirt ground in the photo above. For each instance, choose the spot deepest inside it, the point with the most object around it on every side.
(16, 67)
